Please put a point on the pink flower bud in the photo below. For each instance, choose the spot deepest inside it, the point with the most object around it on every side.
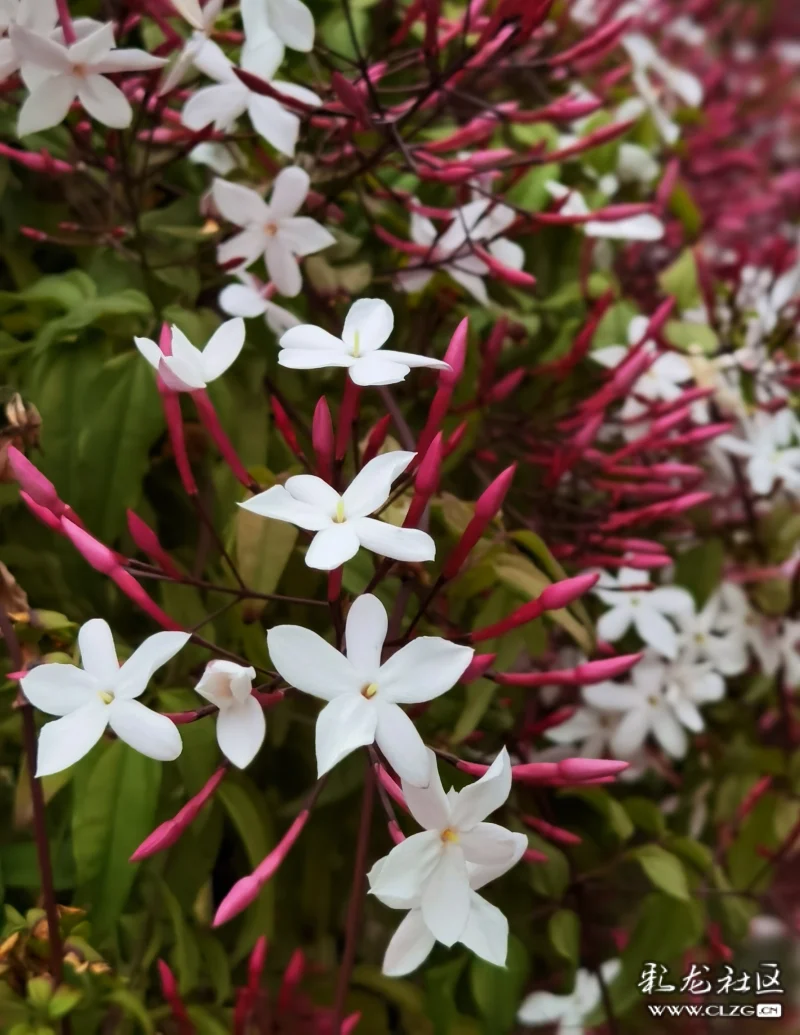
(456, 354)
(350, 99)
(552, 833)
(284, 426)
(131, 588)
(210, 420)
(244, 891)
(508, 274)
(169, 988)
(322, 439)
(376, 438)
(171, 404)
(292, 976)
(31, 480)
(488, 505)
(599, 40)
(43, 514)
(582, 675)
(491, 353)
(395, 833)
(100, 557)
(553, 598)
(477, 667)
(348, 412)
(532, 855)
(165, 835)
(147, 541)
(506, 386)
(392, 789)
(456, 438)
(426, 482)
(350, 1023)
(581, 769)
(255, 965)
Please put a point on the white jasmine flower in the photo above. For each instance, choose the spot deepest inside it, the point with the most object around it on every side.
(688, 684)
(766, 447)
(569, 1012)
(102, 694)
(367, 326)
(188, 369)
(788, 646)
(290, 20)
(342, 523)
(219, 157)
(63, 73)
(645, 610)
(251, 298)
(228, 99)
(272, 230)
(644, 227)
(675, 81)
(754, 630)
(663, 380)
(190, 53)
(485, 932)
(38, 16)
(704, 639)
(431, 867)
(241, 726)
(593, 727)
(363, 695)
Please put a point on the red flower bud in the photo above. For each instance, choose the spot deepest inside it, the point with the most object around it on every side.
(322, 439)
(489, 503)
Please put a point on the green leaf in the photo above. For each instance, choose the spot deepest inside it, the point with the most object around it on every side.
(497, 990)
(65, 998)
(132, 1007)
(185, 956)
(699, 569)
(564, 930)
(663, 870)
(114, 810)
(680, 279)
(263, 549)
(689, 336)
(64, 290)
(550, 878)
(440, 993)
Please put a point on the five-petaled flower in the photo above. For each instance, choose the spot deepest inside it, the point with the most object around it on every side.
(102, 693)
(431, 867)
(363, 695)
(342, 523)
(569, 1012)
(241, 726)
(631, 603)
(368, 324)
(188, 369)
(272, 230)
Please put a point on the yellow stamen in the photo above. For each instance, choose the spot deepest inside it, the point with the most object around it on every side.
(450, 836)
(369, 691)
(105, 696)
(356, 344)
(339, 517)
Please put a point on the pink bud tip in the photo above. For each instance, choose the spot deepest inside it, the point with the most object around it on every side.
(255, 964)
(551, 832)
(168, 984)
(170, 830)
(100, 557)
(530, 855)
(560, 594)
(491, 499)
(456, 353)
(322, 439)
(292, 977)
(31, 480)
(349, 1024)
(43, 514)
(395, 832)
(582, 769)
(477, 667)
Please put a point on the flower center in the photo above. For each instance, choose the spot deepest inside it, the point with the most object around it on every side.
(699, 638)
(356, 344)
(634, 601)
(450, 837)
(653, 701)
(339, 517)
(79, 71)
(271, 229)
(105, 696)
(369, 691)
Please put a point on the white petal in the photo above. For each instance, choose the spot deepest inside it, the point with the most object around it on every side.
(104, 101)
(311, 339)
(304, 235)
(413, 280)
(293, 22)
(397, 737)
(274, 123)
(297, 93)
(486, 933)
(307, 488)
(65, 741)
(98, 653)
(631, 733)
(409, 359)
(223, 347)
(310, 664)
(127, 59)
(210, 59)
(144, 730)
(190, 10)
(225, 683)
(479, 799)
(183, 349)
(446, 897)
(243, 248)
(95, 45)
(543, 1008)
(424, 669)
(313, 359)
(410, 946)
(217, 156)
(407, 867)
(344, 724)
(219, 105)
(377, 370)
(656, 631)
(371, 486)
(279, 504)
(151, 352)
(282, 266)
(371, 321)
(613, 625)
(37, 49)
(154, 652)
(240, 731)
(365, 631)
(428, 805)
(671, 600)
(289, 191)
(238, 300)
(59, 689)
(238, 204)
(612, 697)
(670, 734)
(179, 375)
(46, 105)
(262, 52)
(488, 844)
(332, 547)
(645, 227)
(481, 874)
(401, 544)
(470, 282)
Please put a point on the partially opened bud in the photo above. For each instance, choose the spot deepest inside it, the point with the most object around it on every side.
(147, 541)
(582, 769)
(165, 835)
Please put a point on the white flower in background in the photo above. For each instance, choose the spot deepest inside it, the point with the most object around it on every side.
(485, 932)
(38, 16)
(569, 1012)
(272, 230)
(251, 298)
(635, 167)
(290, 20)
(592, 728)
(188, 369)
(222, 158)
(754, 630)
(342, 523)
(64, 73)
(674, 81)
(769, 298)
(686, 30)
(688, 684)
(190, 10)
(228, 99)
(766, 447)
(705, 638)
(241, 726)
(663, 381)
(644, 227)
(102, 693)
(478, 222)
(368, 324)
(190, 54)
(363, 695)
(431, 867)
(788, 646)
(644, 609)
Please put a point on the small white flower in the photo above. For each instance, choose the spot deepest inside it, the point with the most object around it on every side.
(342, 523)
(665, 377)
(367, 326)
(754, 630)
(431, 867)
(219, 157)
(272, 230)
(644, 609)
(674, 81)
(188, 369)
(569, 1012)
(770, 457)
(594, 728)
(705, 639)
(228, 99)
(241, 726)
(788, 646)
(102, 694)
(644, 227)
(63, 73)
(251, 298)
(290, 20)
(190, 53)
(363, 695)
(690, 683)
(39, 16)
